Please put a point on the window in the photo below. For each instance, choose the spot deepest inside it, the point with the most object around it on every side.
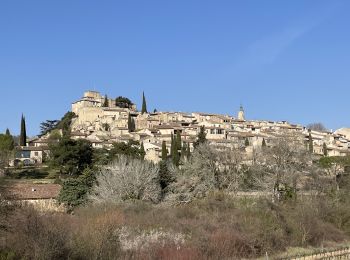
(36, 153)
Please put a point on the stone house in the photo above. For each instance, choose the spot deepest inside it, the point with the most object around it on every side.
(42, 197)
(29, 155)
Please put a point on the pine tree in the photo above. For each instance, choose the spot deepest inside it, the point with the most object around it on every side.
(7, 132)
(106, 103)
(263, 145)
(311, 143)
(144, 105)
(23, 135)
(325, 151)
(142, 151)
(164, 151)
(201, 137)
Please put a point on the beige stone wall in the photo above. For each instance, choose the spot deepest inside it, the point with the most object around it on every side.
(88, 114)
(37, 156)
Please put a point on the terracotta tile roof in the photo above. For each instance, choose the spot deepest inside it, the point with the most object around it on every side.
(164, 127)
(26, 191)
(77, 134)
(32, 148)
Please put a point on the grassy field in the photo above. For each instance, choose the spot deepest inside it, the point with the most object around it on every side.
(31, 173)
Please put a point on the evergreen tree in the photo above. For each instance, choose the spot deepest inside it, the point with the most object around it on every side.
(325, 151)
(65, 123)
(70, 156)
(155, 111)
(131, 124)
(123, 102)
(105, 103)
(172, 145)
(178, 140)
(176, 157)
(164, 151)
(7, 132)
(23, 135)
(48, 126)
(144, 105)
(188, 152)
(142, 152)
(106, 126)
(7, 144)
(183, 150)
(201, 137)
(311, 143)
(6, 151)
(246, 142)
(165, 177)
(174, 151)
(263, 143)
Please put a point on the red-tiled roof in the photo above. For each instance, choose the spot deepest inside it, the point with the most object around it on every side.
(26, 191)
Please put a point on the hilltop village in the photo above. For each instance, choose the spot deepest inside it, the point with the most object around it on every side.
(104, 121)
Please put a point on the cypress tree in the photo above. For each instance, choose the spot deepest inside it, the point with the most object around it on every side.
(176, 157)
(131, 124)
(188, 152)
(23, 135)
(183, 150)
(174, 152)
(246, 142)
(172, 145)
(178, 140)
(164, 151)
(7, 132)
(164, 178)
(106, 103)
(201, 137)
(142, 151)
(325, 151)
(311, 143)
(144, 105)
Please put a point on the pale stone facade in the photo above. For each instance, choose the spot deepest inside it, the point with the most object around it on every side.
(105, 125)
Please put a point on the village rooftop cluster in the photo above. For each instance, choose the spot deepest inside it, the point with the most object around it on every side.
(104, 121)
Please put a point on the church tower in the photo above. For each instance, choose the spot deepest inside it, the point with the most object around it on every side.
(241, 113)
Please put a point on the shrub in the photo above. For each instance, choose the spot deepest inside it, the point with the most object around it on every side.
(127, 179)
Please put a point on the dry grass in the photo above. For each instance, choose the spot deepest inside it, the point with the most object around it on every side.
(215, 228)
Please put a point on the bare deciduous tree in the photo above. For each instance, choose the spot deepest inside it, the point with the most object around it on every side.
(197, 176)
(127, 179)
(317, 127)
(231, 172)
(281, 166)
(207, 170)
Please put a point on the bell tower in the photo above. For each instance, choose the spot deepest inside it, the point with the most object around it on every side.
(240, 115)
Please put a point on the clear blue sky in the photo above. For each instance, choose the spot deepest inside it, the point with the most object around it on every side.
(283, 60)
